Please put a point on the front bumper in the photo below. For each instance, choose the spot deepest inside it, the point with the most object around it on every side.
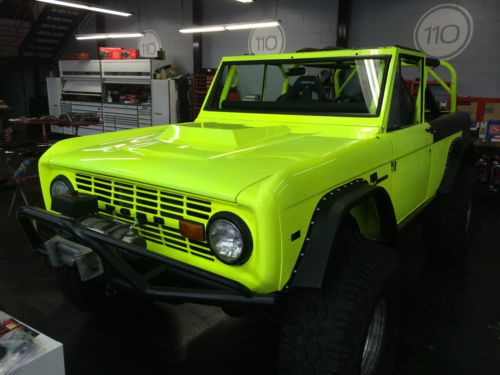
(216, 289)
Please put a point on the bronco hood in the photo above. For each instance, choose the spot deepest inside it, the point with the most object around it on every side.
(208, 159)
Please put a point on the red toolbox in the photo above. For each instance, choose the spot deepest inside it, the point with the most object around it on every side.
(129, 53)
(110, 53)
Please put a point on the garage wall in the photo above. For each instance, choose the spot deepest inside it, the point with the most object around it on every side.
(88, 27)
(310, 23)
(306, 24)
(164, 17)
(384, 22)
(18, 99)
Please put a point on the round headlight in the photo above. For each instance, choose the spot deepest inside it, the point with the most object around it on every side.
(60, 186)
(229, 239)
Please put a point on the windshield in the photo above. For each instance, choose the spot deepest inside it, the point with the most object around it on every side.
(347, 86)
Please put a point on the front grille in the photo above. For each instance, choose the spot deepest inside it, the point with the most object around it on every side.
(156, 210)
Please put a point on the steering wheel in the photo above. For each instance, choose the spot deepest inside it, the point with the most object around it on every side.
(345, 98)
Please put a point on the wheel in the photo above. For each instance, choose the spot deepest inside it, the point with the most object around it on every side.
(449, 224)
(351, 325)
(92, 297)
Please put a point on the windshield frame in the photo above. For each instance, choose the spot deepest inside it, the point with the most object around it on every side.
(227, 63)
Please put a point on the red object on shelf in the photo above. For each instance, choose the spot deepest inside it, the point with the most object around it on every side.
(78, 56)
(110, 53)
(129, 53)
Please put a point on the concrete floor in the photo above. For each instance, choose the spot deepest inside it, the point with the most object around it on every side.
(448, 310)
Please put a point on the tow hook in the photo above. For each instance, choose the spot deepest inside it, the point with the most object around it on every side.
(65, 252)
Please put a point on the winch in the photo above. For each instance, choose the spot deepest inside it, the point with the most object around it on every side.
(113, 228)
(63, 251)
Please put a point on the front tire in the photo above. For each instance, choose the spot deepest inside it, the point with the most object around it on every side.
(350, 326)
(448, 226)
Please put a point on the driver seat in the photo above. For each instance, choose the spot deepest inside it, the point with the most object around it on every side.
(304, 88)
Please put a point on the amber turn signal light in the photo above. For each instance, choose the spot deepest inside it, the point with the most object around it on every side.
(193, 231)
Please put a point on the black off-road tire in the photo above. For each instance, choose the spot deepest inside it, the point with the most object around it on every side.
(324, 332)
(449, 224)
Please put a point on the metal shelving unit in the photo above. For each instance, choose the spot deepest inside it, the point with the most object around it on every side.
(83, 87)
(201, 84)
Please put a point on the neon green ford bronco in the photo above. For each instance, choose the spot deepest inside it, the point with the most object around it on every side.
(285, 195)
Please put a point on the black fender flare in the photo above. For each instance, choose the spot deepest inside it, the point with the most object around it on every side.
(458, 151)
(443, 127)
(331, 210)
(447, 125)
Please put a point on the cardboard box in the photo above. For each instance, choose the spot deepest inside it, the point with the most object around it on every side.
(468, 107)
(492, 129)
(492, 111)
(129, 53)
(110, 53)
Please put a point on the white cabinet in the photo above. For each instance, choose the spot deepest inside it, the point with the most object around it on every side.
(80, 69)
(126, 70)
(94, 79)
(125, 116)
(54, 89)
(80, 107)
(144, 115)
(48, 359)
(163, 101)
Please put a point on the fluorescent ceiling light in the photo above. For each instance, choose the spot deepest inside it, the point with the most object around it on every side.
(108, 36)
(256, 25)
(231, 26)
(86, 7)
(245, 1)
(202, 29)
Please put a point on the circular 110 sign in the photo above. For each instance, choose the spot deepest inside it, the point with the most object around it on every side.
(149, 44)
(266, 41)
(444, 31)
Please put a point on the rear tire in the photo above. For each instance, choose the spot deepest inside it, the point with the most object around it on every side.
(351, 325)
(449, 225)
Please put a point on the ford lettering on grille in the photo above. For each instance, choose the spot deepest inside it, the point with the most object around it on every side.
(157, 211)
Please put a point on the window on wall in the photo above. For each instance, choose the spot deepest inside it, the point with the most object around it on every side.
(316, 86)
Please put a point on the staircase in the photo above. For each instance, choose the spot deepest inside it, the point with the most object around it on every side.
(14, 25)
(50, 32)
